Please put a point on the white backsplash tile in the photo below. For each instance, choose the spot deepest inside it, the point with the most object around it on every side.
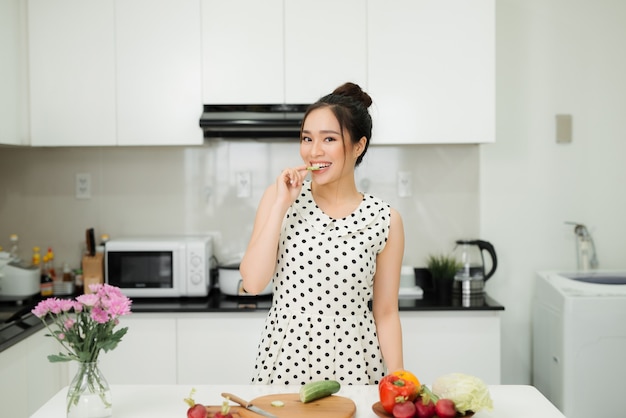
(190, 190)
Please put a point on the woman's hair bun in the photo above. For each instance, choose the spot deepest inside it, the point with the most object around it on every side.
(355, 92)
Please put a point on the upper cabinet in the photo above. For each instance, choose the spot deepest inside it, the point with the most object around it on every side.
(242, 51)
(159, 70)
(115, 72)
(431, 67)
(281, 51)
(13, 79)
(325, 46)
(136, 72)
(72, 72)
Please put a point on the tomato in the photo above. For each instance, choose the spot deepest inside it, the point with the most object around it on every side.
(393, 389)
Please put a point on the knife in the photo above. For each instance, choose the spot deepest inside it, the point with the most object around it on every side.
(247, 405)
(91, 242)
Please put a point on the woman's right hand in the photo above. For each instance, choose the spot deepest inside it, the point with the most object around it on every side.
(289, 184)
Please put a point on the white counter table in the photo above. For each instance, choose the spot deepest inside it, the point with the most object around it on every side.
(166, 401)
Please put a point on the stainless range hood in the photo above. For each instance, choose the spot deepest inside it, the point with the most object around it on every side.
(267, 122)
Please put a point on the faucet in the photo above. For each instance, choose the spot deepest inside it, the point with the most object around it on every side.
(585, 248)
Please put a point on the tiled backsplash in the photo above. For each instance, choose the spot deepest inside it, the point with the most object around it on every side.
(190, 190)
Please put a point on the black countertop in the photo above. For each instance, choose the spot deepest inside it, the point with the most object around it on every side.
(18, 323)
(217, 302)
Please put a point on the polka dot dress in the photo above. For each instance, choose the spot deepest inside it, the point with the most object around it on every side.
(320, 325)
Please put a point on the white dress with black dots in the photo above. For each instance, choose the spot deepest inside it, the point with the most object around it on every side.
(320, 325)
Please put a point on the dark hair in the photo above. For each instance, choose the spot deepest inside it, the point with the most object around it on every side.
(349, 104)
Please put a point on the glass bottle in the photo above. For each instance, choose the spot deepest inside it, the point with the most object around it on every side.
(67, 273)
(46, 282)
(49, 264)
(78, 282)
(36, 260)
(15, 249)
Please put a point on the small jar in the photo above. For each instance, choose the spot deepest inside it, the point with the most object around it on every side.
(67, 273)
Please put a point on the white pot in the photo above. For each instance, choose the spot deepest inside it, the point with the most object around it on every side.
(230, 282)
(17, 283)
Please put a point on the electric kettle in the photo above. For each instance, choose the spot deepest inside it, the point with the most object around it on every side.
(471, 275)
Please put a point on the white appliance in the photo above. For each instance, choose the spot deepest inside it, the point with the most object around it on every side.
(231, 283)
(579, 341)
(17, 282)
(159, 266)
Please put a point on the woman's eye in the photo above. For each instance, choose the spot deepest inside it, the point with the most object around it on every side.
(329, 139)
(306, 139)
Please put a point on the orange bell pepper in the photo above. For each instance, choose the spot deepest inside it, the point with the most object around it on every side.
(407, 375)
(393, 389)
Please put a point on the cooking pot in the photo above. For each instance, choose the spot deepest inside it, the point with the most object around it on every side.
(231, 283)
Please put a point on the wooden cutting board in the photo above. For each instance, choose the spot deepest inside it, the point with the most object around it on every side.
(329, 407)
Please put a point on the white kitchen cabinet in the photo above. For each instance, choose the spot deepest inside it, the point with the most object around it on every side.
(431, 67)
(325, 46)
(440, 342)
(281, 51)
(184, 348)
(218, 348)
(242, 51)
(72, 72)
(221, 348)
(27, 378)
(13, 69)
(115, 72)
(158, 61)
(146, 354)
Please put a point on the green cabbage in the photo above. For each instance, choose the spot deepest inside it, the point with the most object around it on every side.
(468, 393)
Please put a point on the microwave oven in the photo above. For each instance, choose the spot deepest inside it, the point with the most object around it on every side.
(159, 266)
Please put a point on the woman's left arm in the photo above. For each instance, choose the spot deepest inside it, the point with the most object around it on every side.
(385, 301)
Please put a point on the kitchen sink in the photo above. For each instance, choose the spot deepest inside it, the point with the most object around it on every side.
(610, 278)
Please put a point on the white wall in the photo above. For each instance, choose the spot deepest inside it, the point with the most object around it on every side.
(553, 57)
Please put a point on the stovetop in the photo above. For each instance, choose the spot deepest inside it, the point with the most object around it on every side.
(17, 322)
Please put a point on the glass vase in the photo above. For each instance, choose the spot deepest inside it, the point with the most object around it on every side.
(89, 395)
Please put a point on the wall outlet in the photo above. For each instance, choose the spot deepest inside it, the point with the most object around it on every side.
(404, 184)
(244, 184)
(83, 186)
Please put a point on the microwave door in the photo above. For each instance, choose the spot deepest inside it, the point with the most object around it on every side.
(142, 273)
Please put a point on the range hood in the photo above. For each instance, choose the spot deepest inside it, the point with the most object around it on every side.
(263, 121)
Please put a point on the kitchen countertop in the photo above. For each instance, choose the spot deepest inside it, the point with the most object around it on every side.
(24, 324)
(156, 401)
(217, 302)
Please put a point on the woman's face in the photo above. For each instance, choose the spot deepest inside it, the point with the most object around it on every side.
(323, 145)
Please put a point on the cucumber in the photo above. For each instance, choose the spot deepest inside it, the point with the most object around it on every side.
(316, 390)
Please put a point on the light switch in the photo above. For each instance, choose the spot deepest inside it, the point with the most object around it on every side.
(244, 184)
(404, 184)
(563, 129)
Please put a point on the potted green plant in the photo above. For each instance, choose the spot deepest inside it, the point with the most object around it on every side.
(442, 269)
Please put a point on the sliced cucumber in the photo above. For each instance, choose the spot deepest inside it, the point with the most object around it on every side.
(316, 390)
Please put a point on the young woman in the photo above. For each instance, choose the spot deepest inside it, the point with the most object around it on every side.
(331, 250)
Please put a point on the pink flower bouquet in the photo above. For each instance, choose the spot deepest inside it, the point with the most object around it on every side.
(85, 326)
